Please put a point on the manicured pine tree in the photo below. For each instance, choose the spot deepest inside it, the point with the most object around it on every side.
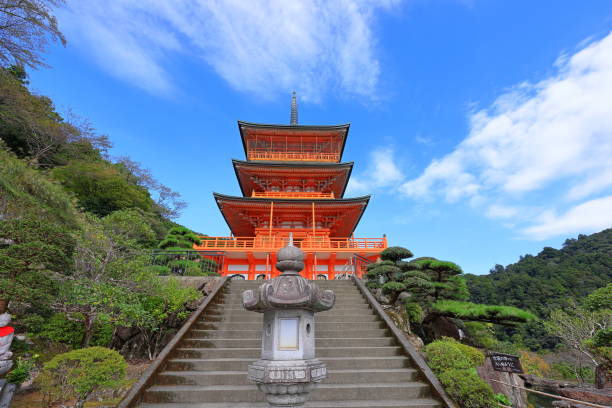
(178, 256)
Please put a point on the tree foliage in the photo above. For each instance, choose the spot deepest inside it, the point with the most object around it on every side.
(80, 373)
(26, 26)
(552, 280)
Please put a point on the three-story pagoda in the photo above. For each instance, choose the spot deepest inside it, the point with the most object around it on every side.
(293, 183)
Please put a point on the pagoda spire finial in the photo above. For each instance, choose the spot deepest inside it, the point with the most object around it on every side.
(294, 110)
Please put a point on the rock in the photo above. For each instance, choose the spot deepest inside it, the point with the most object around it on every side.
(416, 341)
(445, 327)
(592, 395)
(125, 333)
(403, 296)
(517, 397)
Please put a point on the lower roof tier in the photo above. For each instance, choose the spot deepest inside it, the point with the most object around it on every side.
(245, 214)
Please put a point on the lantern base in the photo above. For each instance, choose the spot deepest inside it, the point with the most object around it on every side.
(287, 383)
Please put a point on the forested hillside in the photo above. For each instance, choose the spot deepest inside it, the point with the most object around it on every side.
(553, 279)
(77, 227)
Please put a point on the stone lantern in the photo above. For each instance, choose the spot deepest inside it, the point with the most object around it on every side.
(288, 370)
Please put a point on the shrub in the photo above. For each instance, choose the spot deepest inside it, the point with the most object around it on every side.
(60, 329)
(373, 284)
(21, 372)
(534, 364)
(448, 354)
(160, 270)
(502, 399)
(415, 312)
(480, 335)
(79, 373)
(468, 389)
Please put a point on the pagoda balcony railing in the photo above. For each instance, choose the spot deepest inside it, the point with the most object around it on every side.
(294, 156)
(292, 194)
(275, 243)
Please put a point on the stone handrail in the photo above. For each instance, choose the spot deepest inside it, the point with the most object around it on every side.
(426, 372)
(134, 395)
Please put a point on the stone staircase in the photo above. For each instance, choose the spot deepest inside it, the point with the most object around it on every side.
(366, 367)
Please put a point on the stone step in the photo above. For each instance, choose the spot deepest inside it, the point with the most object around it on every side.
(412, 403)
(257, 317)
(333, 377)
(249, 343)
(337, 309)
(258, 325)
(248, 393)
(240, 364)
(352, 289)
(255, 352)
(256, 334)
(343, 298)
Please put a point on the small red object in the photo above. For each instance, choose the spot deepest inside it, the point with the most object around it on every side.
(6, 330)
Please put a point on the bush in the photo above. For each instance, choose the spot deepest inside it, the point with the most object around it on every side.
(79, 373)
(415, 312)
(468, 389)
(448, 354)
(534, 364)
(21, 372)
(502, 399)
(60, 329)
(480, 335)
(373, 284)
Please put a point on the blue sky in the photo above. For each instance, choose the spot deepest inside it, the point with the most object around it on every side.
(483, 129)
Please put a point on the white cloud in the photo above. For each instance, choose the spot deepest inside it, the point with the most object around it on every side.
(264, 47)
(382, 172)
(590, 216)
(550, 139)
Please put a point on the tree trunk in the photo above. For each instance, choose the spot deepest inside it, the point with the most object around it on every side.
(603, 376)
(89, 326)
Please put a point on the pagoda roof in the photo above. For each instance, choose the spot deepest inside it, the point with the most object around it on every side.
(269, 169)
(293, 130)
(241, 213)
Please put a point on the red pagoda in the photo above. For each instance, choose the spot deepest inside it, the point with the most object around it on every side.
(292, 184)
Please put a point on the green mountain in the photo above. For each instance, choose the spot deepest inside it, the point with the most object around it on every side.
(555, 278)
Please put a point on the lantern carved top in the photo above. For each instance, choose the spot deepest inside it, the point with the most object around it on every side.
(289, 290)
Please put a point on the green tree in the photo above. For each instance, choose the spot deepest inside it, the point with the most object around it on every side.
(80, 373)
(101, 188)
(32, 253)
(107, 269)
(432, 289)
(178, 256)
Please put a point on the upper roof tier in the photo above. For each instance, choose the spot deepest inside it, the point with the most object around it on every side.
(293, 143)
(263, 178)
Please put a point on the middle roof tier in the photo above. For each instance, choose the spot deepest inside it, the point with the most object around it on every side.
(270, 176)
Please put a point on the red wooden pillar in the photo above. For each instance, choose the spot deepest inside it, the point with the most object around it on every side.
(275, 271)
(251, 260)
(331, 266)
